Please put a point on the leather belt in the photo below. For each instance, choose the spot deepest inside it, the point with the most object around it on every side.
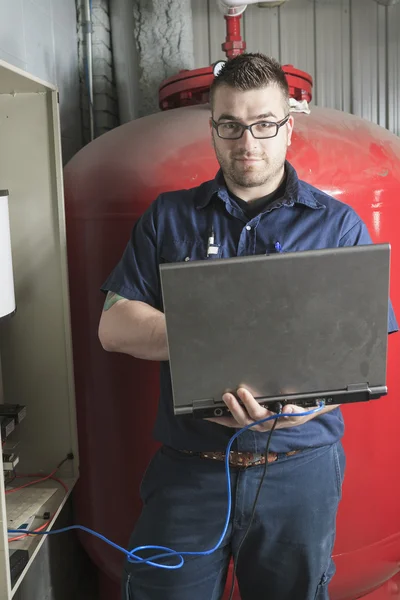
(243, 459)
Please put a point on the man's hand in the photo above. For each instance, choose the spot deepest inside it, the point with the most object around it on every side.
(252, 411)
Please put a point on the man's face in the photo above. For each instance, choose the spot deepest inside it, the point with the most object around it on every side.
(250, 162)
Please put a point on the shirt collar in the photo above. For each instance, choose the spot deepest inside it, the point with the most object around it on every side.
(295, 193)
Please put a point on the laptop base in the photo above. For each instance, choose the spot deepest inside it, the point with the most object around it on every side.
(205, 409)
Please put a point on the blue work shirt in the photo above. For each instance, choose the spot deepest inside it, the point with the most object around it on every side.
(176, 227)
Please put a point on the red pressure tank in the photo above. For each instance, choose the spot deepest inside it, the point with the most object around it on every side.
(108, 185)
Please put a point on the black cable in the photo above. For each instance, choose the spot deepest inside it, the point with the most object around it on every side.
(253, 512)
(69, 456)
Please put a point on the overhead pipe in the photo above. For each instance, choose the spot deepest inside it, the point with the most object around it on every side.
(227, 5)
(233, 44)
(232, 12)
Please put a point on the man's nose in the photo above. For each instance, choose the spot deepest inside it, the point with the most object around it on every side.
(247, 141)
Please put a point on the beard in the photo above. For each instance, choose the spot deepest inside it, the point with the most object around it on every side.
(250, 175)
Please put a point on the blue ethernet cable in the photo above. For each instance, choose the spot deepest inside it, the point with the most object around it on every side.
(168, 552)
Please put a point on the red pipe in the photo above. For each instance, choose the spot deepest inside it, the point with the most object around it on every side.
(233, 44)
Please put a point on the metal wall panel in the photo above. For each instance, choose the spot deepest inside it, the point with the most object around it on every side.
(350, 47)
(382, 82)
(393, 82)
(262, 31)
(332, 83)
(297, 34)
(365, 59)
(217, 31)
(201, 33)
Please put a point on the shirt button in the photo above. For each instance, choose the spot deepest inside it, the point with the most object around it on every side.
(248, 227)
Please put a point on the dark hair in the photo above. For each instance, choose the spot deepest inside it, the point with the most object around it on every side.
(250, 72)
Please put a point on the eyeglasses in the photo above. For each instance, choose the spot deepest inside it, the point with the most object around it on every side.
(232, 130)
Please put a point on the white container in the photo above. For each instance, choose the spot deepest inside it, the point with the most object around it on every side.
(7, 297)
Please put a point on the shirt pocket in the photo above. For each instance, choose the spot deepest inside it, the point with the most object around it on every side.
(186, 251)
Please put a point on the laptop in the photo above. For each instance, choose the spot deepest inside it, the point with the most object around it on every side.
(297, 328)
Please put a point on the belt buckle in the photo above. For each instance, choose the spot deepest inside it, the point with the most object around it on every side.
(246, 459)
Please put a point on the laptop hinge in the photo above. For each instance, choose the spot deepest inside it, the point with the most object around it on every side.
(197, 406)
(358, 387)
(202, 403)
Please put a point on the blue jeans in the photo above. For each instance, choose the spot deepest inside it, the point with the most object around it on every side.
(287, 553)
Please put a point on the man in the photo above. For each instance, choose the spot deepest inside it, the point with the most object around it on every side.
(255, 205)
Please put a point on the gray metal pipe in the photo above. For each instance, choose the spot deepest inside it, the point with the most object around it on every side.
(89, 61)
(125, 59)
